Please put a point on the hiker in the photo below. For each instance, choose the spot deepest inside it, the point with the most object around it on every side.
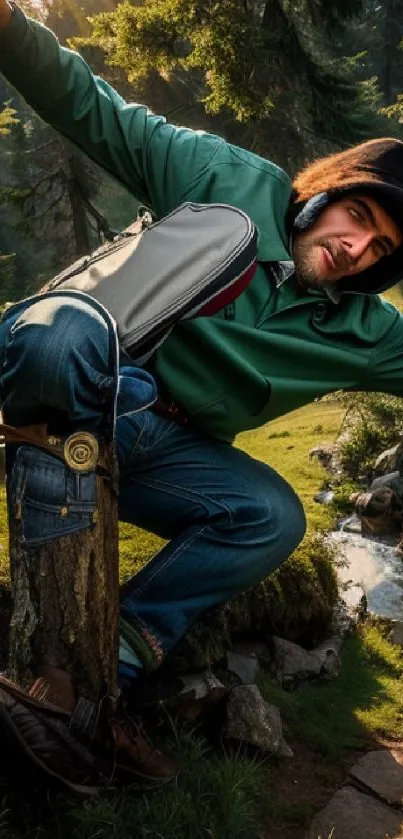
(309, 323)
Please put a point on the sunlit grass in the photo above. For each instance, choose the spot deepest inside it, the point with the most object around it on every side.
(364, 702)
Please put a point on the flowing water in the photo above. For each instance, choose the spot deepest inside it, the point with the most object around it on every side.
(374, 564)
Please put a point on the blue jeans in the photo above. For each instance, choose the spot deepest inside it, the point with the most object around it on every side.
(230, 520)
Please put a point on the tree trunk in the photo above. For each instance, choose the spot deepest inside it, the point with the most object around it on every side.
(66, 601)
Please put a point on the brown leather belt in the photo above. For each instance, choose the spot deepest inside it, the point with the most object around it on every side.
(80, 450)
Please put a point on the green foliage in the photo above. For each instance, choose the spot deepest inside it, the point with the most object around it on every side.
(373, 422)
(336, 14)
(220, 39)
(376, 38)
(7, 120)
(394, 111)
(254, 66)
(341, 503)
(7, 276)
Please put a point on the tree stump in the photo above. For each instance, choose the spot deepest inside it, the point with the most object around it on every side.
(66, 598)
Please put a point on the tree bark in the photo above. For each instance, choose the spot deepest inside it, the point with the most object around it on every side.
(66, 599)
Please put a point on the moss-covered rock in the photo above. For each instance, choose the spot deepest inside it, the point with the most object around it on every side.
(295, 602)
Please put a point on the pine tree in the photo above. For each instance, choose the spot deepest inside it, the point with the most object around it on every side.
(262, 63)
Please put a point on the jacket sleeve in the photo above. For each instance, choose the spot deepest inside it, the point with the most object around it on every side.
(385, 371)
(156, 161)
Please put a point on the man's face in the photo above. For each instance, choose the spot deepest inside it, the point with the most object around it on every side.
(348, 237)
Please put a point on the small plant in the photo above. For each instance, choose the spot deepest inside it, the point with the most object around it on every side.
(341, 501)
(373, 422)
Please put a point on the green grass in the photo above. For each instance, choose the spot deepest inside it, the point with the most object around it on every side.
(365, 701)
(285, 444)
(395, 296)
(221, 797)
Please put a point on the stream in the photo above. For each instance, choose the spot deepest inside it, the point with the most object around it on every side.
(373, 563)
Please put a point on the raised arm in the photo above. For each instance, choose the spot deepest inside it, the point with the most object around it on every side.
(158, 162)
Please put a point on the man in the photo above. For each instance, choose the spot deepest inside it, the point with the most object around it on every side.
(293, 335)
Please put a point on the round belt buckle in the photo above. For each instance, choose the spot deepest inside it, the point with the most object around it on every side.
(81, 451)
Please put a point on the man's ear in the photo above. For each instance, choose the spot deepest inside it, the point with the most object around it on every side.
(309, 212)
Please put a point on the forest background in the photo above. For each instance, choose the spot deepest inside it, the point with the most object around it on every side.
(289, 80)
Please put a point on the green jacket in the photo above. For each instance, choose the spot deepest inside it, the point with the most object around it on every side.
(276, 348)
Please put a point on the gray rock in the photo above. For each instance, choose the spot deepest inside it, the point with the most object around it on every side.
(201, 686)
(390, 460)
(396, 633)
(294, 664)
(382, 773)
(341, 621)
(353, 815)
(253, 648)
(355, 601)
(324, 497)
(244, 666)
(323, 454)
(391, 479)
(351, 525)
(252, 721)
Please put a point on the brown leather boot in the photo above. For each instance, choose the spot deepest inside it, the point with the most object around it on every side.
(136, 758)
(57, 686)
(132, 756)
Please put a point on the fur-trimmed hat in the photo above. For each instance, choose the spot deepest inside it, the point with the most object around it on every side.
(374, 168)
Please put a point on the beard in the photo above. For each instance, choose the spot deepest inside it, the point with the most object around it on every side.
(307, 271)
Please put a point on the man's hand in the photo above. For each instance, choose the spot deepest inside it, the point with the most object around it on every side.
(5, 13)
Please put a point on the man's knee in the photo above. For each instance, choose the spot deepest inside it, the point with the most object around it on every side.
(278, 516)
(56, 343)
(267, 529)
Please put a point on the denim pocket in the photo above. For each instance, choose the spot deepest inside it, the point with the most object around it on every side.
(49, 498)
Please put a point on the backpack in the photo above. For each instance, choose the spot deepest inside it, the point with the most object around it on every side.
(193, 262)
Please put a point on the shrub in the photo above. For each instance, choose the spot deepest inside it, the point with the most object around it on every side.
(373, 422)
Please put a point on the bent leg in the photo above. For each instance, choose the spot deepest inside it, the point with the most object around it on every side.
(58, 362)
(231, 521)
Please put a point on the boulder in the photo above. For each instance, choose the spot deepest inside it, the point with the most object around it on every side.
(381, 772)
(390, 460)
(198, 694)
(294, 664)
(380, 511)
(351, 814)
(201, 685)
(252, 721)
(323, 454)
(253, 648)
(393, 480)
(244, 666)
(351, 525)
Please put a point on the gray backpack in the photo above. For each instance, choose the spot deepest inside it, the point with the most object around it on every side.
(193, 262)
